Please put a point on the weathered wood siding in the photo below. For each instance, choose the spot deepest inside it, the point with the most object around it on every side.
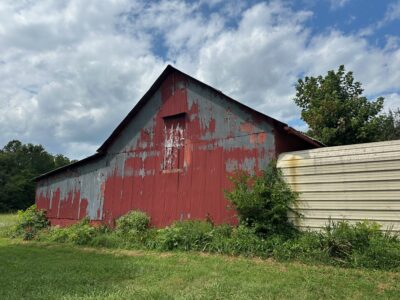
(354, 182)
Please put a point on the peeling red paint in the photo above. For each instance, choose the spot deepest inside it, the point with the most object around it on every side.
(82, 208)
(185, 181)
(247, 127)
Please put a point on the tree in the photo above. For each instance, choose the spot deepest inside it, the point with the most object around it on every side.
(19, 164)
(337, 113)
(389, 126)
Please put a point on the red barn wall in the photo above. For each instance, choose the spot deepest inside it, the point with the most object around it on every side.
(172, 160)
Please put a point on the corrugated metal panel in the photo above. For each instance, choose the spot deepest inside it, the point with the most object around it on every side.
(172, 160)
(170, 157)
(354, 182)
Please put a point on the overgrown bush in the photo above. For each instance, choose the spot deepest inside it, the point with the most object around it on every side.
(263, 201)
(305, 246)
(383, 252)
(351, 245)
(186, 235)
(30, 221)
(133, 222)
(80, 233)
(341, 238)
(361, 244)
(242, 240)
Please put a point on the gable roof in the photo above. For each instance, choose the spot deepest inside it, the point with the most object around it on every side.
(167, 71)
(146, 97)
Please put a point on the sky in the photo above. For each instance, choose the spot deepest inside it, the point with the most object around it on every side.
(71, 70)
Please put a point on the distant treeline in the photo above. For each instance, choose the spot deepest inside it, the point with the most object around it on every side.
(19, 165)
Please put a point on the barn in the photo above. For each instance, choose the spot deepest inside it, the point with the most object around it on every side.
(170, 157)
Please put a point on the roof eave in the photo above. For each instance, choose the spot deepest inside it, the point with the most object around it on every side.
(66, 167)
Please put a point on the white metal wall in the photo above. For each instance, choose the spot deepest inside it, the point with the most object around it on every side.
(354, 182)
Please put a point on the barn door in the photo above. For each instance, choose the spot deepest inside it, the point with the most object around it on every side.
(173, 163)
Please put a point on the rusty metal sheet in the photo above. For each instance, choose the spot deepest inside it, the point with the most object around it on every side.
(171, 160)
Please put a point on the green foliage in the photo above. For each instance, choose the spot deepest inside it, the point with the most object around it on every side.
(19, 164)
(383, 252)
(306, 247)
(186, 235)
(80, 233)
(338, 114)
(242, 240)
(133, 222)
(30, 221)
(388, 126)
(263, 201)
(341, 238)
(361, 245)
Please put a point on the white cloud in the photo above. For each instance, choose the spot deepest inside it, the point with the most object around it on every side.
(70, 71)
(256, 63)
(67, 76)
(392, 101)
(336, 4)
(393, 12)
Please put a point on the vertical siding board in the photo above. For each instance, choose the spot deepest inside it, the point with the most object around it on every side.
(219, 136)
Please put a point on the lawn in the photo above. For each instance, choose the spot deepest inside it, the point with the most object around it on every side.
(34, 270)
(49, 271)
(6, 222)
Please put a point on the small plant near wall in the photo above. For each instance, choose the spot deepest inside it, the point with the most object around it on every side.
(263, 201)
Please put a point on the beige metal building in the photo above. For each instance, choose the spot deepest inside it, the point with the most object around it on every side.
(355, 183)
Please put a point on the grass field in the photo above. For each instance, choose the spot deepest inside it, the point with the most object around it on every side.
(6, 222)
(33, 270)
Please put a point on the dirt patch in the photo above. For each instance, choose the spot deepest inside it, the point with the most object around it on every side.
(163, 254)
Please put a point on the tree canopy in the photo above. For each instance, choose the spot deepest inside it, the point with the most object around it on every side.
(338, 114)
(19, 165)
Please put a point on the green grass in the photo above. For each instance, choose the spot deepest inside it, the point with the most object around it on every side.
(6, 223)
(34, 270)
(37, 270)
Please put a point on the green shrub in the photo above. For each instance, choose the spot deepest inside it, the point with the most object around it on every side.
(81, 233)
(30, 221)
(133, 222)
(185, 235)
(382, 253)
(53, 234)
(306, 247)
(243, 241)
(263, 201)
(340, 239)
(360, 245)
